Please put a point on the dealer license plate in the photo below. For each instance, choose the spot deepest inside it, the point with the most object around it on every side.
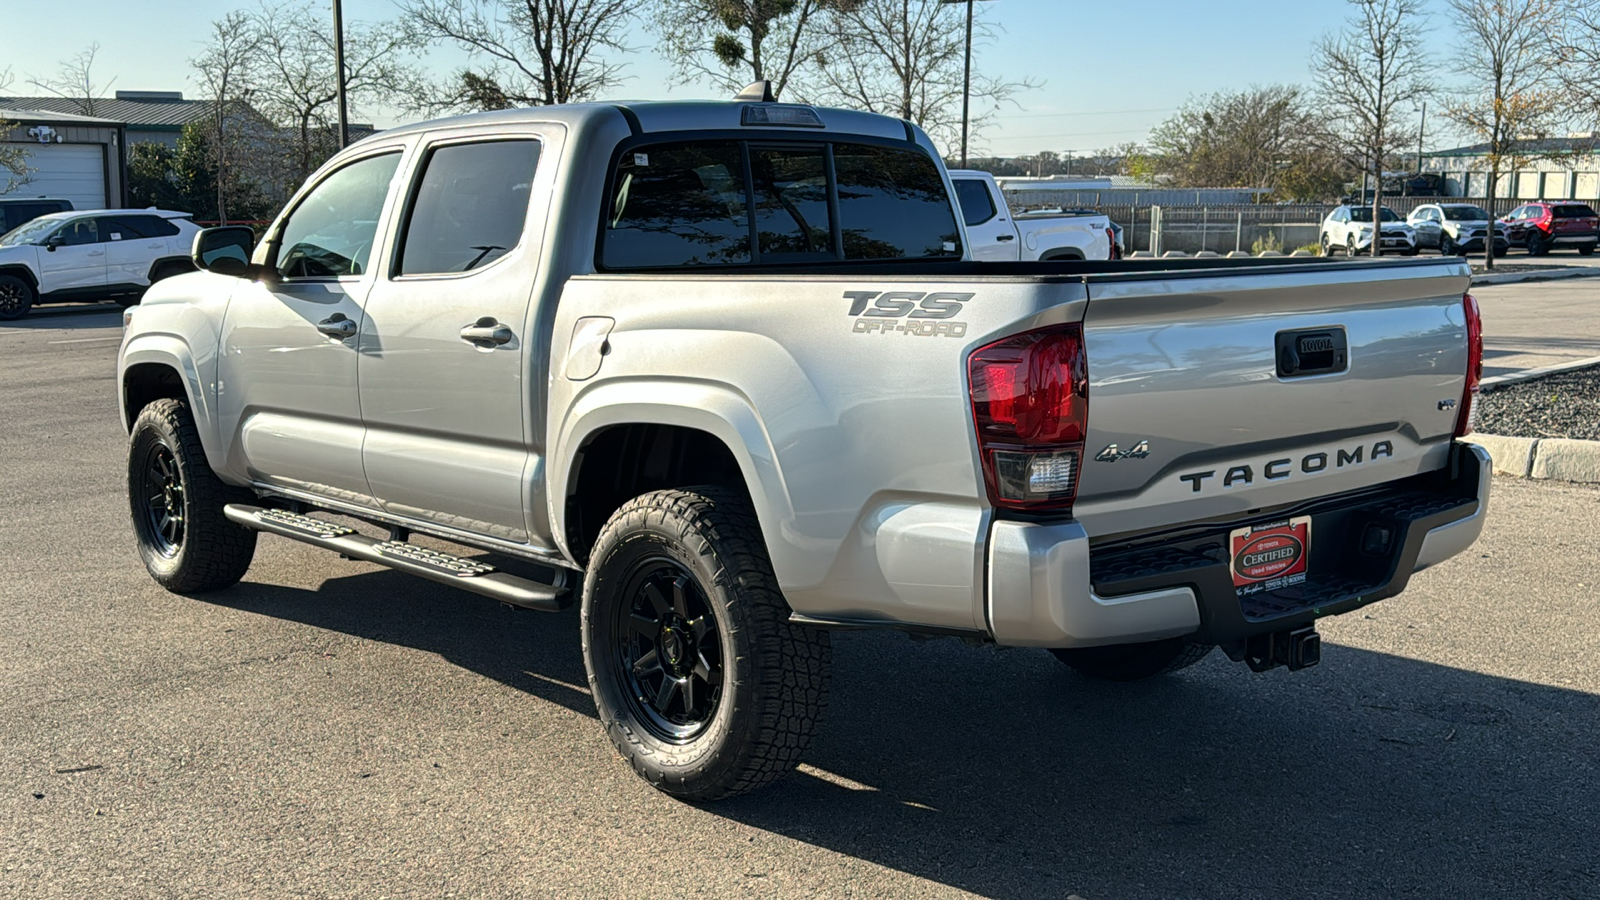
(1271, 556)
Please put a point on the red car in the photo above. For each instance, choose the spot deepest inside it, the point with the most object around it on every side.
(1547, 225)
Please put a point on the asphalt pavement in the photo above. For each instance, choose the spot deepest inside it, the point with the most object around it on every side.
(332, 729)
(1538, 324)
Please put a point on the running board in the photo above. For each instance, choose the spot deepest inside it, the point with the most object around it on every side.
(467, 574)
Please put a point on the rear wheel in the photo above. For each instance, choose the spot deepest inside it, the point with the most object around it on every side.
(186, 542)
(1537, 246)
(1586, 250)
(16, 297)
(1133, 662)
(700, 680)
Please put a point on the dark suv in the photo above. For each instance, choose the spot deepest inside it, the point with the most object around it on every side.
(16, 211)
(1548, 224)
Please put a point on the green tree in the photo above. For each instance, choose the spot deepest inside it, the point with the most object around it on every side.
(186, 179)
(1260, 137)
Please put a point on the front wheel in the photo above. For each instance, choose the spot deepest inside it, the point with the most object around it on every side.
(187, 543)
(1350, 246)
(700, 680)
(1326, 249)
(1133, 662)
(1447, 245)
(16, 297)
(1537, 246)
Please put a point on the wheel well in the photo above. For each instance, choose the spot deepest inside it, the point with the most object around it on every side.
(623, 461)
(145, 383)
(1061, 254)
(24, 273)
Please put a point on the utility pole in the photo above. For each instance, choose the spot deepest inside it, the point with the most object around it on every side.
(1422, 125)
(966, 82)
(338, 63)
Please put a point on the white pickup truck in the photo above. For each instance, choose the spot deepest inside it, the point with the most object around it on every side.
(726, 376)
(995, 234)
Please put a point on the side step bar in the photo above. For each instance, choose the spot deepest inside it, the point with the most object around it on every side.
(467, 574)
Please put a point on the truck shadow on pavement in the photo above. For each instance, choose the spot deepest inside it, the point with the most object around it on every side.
(1004, 774)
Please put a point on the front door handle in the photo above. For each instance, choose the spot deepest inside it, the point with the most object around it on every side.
(487, 332)
(1006, 237)
(337, 326)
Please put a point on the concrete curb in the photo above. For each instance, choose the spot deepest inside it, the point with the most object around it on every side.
(1553, 459)
(1530, 374)
(1547, 275)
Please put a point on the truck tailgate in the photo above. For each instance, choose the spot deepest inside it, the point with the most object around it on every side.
(1193, 415)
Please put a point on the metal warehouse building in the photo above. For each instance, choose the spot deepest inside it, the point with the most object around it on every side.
(73, 157)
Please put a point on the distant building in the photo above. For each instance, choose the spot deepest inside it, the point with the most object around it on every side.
(70, 157)
(154, 116)
(1116, 190)
(1575, 175)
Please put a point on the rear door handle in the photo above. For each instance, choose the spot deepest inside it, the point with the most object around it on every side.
(487, 332)
(338, 326)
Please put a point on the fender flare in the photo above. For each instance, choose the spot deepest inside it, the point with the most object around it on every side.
(22, 271)
(714, 408)
(172, 352)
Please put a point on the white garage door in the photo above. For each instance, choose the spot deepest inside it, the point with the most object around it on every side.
(73, 172)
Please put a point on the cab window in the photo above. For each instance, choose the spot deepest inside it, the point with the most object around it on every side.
(976, 205)
(330, 234)
(77, 232)
(469, 208)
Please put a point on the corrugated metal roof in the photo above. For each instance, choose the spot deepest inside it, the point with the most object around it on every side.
(1527, 145)
(131, 112)
(57, 118)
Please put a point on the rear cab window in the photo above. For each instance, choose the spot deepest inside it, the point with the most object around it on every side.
(976, 206)
(692, 203)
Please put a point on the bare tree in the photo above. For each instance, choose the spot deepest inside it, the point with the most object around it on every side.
(731, 43)
(905, 58)
(1260, 137)
(1513, 96)
(1370, 76)
(13, 158)
(75, 80)
(535, 52)
(1575, 40)
(228, 73)
(298, 86)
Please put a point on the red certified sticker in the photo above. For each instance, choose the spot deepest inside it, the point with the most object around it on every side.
(1271, 556)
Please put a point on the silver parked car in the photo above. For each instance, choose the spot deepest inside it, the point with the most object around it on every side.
(1455, 228)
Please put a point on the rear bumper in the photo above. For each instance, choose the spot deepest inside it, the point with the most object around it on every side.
(1048, 588)
(1575, 237)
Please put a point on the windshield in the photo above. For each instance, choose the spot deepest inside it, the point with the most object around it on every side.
(1466, 213)
(29, 232)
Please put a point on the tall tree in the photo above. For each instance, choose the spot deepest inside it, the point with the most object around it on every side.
(228, 73)
(1575, 42)
(74, 80)
(13, 158)
(530, 52)
(297, 87)
(1370, 76)
(905, 58)
(731, 43)
(1512, 94)
(1260, 137)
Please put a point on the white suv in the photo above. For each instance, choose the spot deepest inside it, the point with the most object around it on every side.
(1455, 228)
(1349, 229)
(92, 255)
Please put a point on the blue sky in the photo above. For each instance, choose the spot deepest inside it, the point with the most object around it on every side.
(1111, 70)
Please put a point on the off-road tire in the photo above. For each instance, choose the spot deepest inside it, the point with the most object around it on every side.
(774, 675)
(1133, 662)
(16, 297)
(211, 552)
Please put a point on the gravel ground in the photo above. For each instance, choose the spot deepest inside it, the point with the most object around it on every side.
(1564, 405)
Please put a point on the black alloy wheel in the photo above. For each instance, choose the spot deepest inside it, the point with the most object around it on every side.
(161, 487)
(16, 297)
(667, 650)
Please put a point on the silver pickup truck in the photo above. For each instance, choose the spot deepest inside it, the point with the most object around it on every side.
(724, 375)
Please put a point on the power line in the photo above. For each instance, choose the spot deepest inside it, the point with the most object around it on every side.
(1109, 112)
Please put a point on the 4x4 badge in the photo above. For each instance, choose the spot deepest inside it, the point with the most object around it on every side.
(1112, 454)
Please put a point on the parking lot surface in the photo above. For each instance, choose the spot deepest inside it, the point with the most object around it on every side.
(1536, 324)
(331, 729)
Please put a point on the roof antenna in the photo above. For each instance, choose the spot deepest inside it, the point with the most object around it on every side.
(756, 92)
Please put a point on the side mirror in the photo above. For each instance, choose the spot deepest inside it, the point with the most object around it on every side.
(54, 241)
(224, 250)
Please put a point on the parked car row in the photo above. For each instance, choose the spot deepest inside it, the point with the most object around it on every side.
(1461, 228)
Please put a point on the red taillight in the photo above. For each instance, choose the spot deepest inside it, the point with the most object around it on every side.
(1030, 403)
(1111, 238)
(1469, 394)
